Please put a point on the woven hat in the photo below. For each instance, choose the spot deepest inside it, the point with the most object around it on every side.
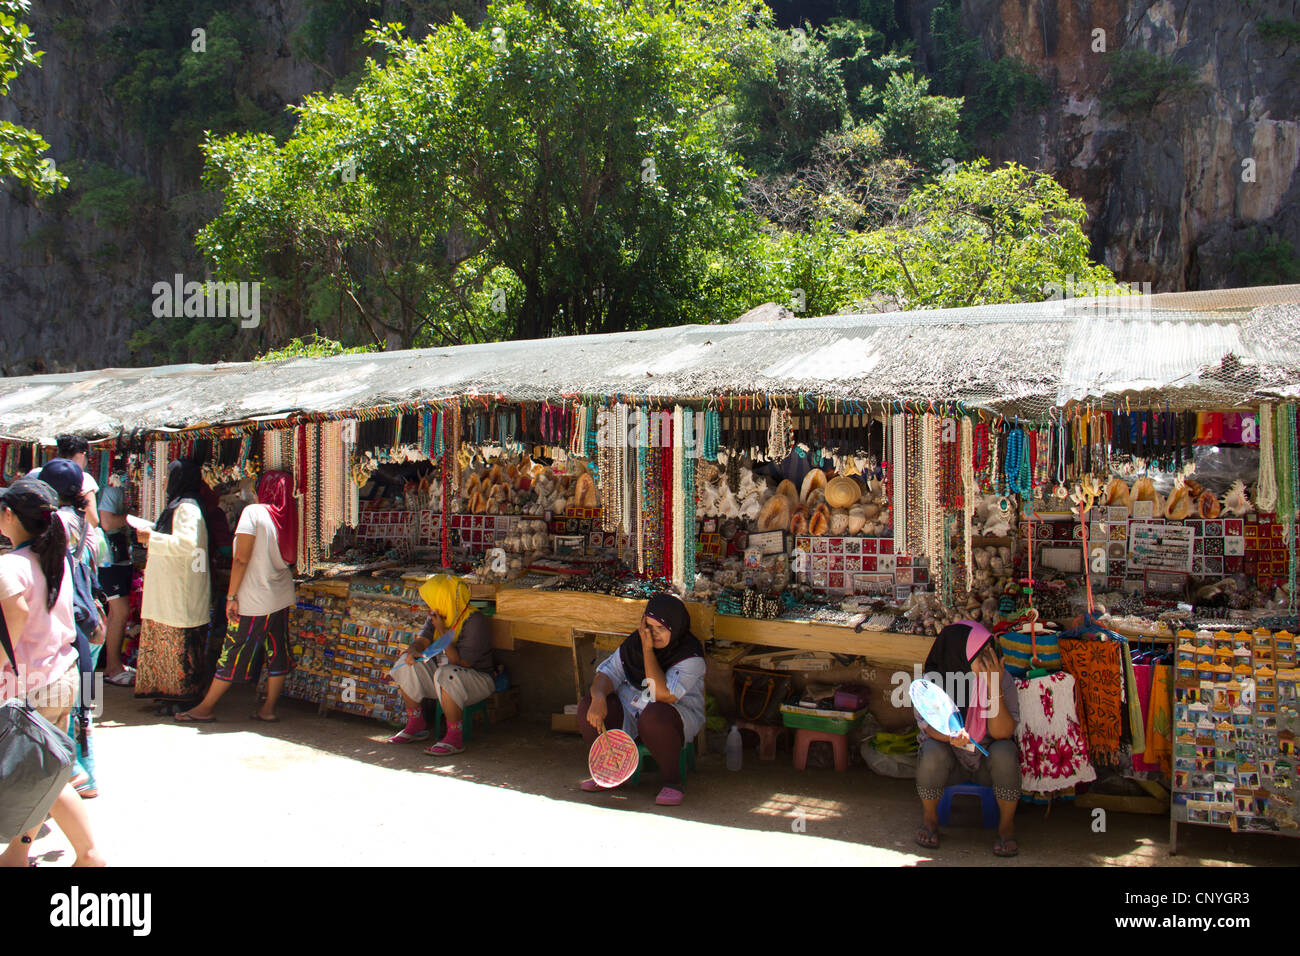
(843, 492)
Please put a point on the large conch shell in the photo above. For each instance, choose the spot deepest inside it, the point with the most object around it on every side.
(811, 481)
(787, 488)
(471, 486)
(1235, 501)
(799, 524)
(857, 518)
(839, 521)
(818, 524)
(1208, 505)
(584, 492)
(775, 515)
(1117, 493)
(1179, 505)
(1144, 489)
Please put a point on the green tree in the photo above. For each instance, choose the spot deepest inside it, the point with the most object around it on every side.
(565, 151)
(21, 148)
(925, 129)
(979, 236)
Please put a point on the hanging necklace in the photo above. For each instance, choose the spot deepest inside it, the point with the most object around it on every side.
(1266, 487)
(968, 496)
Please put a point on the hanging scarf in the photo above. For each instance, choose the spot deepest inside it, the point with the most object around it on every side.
(275, 491)
(1098, 673)
(670, 612)
(1159, 725)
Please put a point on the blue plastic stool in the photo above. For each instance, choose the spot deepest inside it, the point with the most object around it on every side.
(988, 803)
(467, 719)
(687, 761)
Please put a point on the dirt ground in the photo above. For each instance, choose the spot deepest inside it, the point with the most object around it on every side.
(322, 791)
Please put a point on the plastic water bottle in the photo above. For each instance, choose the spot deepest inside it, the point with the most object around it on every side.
(735, 749)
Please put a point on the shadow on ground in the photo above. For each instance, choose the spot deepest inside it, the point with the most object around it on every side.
(523, 754)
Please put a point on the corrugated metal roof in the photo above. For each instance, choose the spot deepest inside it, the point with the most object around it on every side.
(1025, 356)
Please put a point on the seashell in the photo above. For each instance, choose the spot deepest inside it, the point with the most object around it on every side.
(471, 485)
(822, 509)
(1194, 488)
(494, 474)
(843, 492)
(818, 524)
(1179, 505)
(1235, 501)
(584, 491)
(775, 514)
(798, 524)
(1144, 489)
(1117, 493)
(1208, 505)
(788, 489)
(871, 510)
(816, 497)
(1158, 506)
(839, 521)
(857, 519)
(813, 480)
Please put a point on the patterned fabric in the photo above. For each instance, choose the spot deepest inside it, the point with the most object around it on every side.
(1053, 751)
(253, 641)
(1142, 674)
(1018, 652)
(172, 661)
(1159, 722)
(1098, 671)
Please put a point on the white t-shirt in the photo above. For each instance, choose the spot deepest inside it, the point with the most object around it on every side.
(45, 648)
(267, 586)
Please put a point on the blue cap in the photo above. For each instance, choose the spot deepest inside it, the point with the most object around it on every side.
(64, 476)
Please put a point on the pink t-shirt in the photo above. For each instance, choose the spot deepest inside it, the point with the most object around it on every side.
(46, 646)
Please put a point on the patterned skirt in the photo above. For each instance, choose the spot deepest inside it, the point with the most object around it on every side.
(172, 664)
(1053, 751)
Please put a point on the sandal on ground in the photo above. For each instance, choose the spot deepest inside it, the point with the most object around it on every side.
(443, 749)
(265, 720)
(670, 797)
(1006, 846)
(88, 793)
(125, 678)
(590, 786)
(405, 736)
(185, 717)
(927, 838)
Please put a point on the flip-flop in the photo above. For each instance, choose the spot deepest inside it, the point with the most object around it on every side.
(125, 678)
(184, 718)
(590, 786)
(669, 797)
(443, 749)
(265, 720)
(405, 737)
(927, 838)
(1006, 847)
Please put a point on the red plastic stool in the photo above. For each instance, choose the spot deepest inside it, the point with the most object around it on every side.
(768, 736)
(839, 743)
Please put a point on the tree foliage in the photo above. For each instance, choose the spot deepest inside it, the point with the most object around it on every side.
(21, 148)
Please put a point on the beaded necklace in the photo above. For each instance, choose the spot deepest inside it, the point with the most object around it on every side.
(950, 487)
(779, 438)
(712, 435)
(689, 497)
(968, 496)
(666, 500)
(679, 504)
(931, 509)
(444, 536)
(1266, 487)
(642, 421)
(995, 479)
(914, 492)
(1289, 471)
(899, 490)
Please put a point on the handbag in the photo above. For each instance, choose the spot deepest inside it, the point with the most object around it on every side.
(37, 760)
(760, 693)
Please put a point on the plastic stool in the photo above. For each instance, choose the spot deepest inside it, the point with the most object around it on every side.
(803, 738)
(988, 803)
(686, 762)
(467, 719)
(768, 736)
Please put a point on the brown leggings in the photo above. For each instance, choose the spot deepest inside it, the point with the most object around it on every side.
(660, 729)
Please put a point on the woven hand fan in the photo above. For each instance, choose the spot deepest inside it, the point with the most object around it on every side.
(613, 758)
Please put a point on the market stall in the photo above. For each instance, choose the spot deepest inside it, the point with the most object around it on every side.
(842, 487)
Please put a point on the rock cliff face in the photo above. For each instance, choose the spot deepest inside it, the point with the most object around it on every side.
(1174, 190)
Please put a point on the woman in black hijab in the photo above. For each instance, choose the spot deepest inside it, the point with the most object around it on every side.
(965, 661)
(652, 687)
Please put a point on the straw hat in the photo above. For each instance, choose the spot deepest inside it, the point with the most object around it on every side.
(842, 492)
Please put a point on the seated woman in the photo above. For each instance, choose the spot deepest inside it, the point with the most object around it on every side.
(467, 677)
(965, 661)
(653, 685)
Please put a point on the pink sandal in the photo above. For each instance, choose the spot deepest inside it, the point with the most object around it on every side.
(670, 797)
(443, 748)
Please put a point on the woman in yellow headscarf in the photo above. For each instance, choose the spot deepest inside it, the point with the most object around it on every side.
(450, 660)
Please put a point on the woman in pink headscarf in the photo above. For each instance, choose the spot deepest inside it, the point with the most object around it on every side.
(966, 662)
(261, 593)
